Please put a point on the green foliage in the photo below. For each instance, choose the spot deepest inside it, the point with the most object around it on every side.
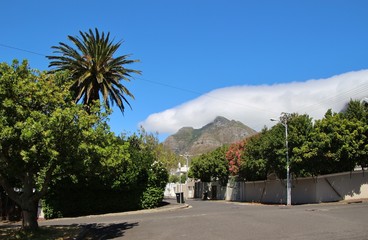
(178, 179)
(211, 166)
(174, 178)
(265, 153)
(167, 157)
(183, 178)
(120, 174)
(254, 160)
(300, 129)
(151, 197)
(336, 144)
(50, 144)
(49, 211)
(68, 198)
(93, 68)
(158, 175)
(356, 110)
(41, 133)
(157, 180)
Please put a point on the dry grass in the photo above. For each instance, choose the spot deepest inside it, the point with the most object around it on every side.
(44, 233)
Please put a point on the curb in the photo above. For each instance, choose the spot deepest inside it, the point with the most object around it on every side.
(83, 233)
(170, 207)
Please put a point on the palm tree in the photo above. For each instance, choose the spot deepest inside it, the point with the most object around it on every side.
(93, 69)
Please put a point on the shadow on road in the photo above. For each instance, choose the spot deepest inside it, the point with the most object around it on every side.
(104, 231)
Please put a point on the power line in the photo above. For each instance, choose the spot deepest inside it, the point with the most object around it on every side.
(341, 97)
(210, 96)
(22, 50)
(328, 100)
(170, 86)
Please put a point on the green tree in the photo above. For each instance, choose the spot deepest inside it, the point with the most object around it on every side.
(174, 179)
(265, 153)
(168, 158)
(336, 144)
(211, 166)
(255, 164)
(151, 173)
(300, 128)
(41, 131)
(157, 180)
(118, 173)
(356, 111)
(102, 174)
(93, 69)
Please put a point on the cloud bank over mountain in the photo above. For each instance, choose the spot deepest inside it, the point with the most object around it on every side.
(255, 105)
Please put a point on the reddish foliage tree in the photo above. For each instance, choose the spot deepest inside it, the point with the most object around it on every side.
(233, 155)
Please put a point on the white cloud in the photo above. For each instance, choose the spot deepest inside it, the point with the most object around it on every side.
(255, 105)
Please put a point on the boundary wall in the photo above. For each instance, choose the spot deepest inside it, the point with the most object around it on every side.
(327, 188)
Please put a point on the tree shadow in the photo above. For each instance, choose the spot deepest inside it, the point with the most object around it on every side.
(163, 204)
(104, 231)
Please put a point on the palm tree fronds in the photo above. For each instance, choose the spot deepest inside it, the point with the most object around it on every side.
(95, 70)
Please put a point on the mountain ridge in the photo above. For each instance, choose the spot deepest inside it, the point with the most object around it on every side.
(219, 132)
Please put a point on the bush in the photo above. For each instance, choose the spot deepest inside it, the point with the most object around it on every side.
(49, 211)
(70, 199)
(110, 182)
(152, 197)
(173, 178)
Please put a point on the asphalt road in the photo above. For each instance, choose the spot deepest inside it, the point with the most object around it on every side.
(212, 220)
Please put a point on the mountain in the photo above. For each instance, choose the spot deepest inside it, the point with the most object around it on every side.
(213, 135)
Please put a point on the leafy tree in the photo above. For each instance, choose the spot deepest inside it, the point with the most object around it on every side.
(100, 175)
(336, 144)
(356, 111)
(177, 178)
(118, 173)
(168, 158)
(233, 156)
(265, 153)
(174, 179)
(211, 166)
(93, 68)
(300, 127)
(157, 180)
(255, 164)
(41, 131)
(152, 175)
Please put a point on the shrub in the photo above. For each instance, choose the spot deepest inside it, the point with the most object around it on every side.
(151, 198)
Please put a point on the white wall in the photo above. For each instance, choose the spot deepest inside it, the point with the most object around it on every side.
(172, 188)
(327, 188)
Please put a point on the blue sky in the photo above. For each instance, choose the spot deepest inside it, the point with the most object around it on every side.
(245, 60)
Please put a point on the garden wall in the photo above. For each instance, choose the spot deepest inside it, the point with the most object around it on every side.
(326, 188)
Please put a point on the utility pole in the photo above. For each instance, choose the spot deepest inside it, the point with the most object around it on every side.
(284, 121)
(186, 156)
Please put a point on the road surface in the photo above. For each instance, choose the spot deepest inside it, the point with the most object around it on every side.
(212, 220)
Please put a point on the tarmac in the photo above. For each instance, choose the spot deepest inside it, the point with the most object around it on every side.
(166, 206)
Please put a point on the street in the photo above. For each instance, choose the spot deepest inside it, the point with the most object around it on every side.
(211, 220)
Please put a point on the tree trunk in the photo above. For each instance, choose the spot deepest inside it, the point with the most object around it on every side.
(29, 212)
